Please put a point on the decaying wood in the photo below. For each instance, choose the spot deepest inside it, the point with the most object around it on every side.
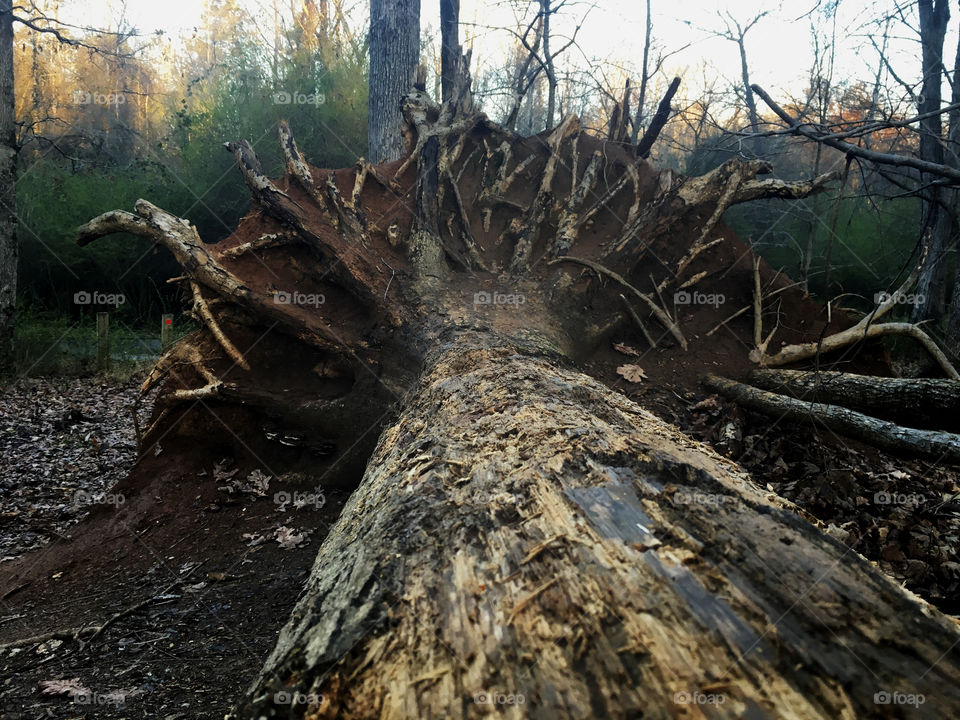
(931, 402)
(865, 329)
(732, 183)
(296, 165)
(203, 310)
(945, 447)
(572, 550)
(526, 230)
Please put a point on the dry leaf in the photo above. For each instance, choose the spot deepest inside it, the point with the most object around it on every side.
(626, 350)
(632, 373)
(64, 687)
(289, 538)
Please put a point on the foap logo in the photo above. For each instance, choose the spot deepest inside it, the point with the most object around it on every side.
(283, 297)
(701, 498)
(886, 697)
(698, 698)
(82, 97)
(300, 499)
(98, 298)
(683, 297)
(82, 497)
(284, 97)
(881, 298)
(496, 298)
(297, 698)
(893, 498)
(90, 697)
(494, 698)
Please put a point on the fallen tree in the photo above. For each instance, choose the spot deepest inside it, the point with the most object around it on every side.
(524, 537)
(919, 402)
(942, 446)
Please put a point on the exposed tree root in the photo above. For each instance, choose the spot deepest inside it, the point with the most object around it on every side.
(657, 311)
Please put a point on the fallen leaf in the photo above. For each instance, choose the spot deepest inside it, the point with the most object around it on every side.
(289, 538)
(64, 687)
(632, 373)
(626, 350)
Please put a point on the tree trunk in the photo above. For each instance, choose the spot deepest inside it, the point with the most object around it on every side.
(449, 46)
(527, 540)
(638, 118)
(549, 63)
(394, 54)
(747, 88)
(919, 402)
(937, 219)
(9, 251)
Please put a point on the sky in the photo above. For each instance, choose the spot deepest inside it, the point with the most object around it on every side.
(779, 46)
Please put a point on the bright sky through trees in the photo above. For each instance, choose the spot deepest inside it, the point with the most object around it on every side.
(611, 39)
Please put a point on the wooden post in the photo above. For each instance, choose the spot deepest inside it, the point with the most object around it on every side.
(166, 332)
(103, 341)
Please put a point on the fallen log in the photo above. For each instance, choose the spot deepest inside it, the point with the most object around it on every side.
(943, 446)
(931, 403)
(528, 541)
(524, 539)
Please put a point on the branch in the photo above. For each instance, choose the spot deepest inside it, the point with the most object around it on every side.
(797, 128)
(657, 311)
(659, 120)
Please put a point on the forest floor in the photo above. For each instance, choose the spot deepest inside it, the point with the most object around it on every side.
(194, 568)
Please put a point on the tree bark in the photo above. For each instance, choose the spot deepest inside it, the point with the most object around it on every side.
(9, 250)
(549, 63)
(937, 216)
(918, 402)
(528, 537)
(449, 46)
(394, 54)
(638, 118)
(944, 447)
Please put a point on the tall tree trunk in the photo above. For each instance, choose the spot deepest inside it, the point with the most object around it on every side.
(952, 158)
(394, 54)
(937, 215)
(9, 252)
(449, 46)
(548, 61)
(527, 540)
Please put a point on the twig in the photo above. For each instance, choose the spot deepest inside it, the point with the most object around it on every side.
(639, 322)
(658, 312)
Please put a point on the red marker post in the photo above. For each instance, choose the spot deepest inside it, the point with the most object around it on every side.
(166, 332)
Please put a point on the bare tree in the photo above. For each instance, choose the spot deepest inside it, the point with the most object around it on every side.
(28, 15)
(644, 78)
(736, 32)
(394, 54)
(9, 251)
(449, 45)
(938, 214)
